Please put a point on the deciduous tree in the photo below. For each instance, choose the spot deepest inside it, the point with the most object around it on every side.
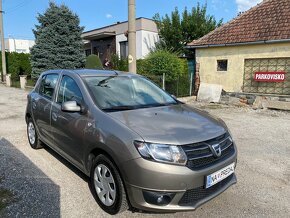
(177, 30)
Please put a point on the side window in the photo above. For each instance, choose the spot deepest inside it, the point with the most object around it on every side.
(47, 85)
(69, 91)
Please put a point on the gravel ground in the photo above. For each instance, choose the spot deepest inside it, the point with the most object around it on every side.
(45, 185)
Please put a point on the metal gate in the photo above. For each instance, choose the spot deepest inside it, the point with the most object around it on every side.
(266, 65)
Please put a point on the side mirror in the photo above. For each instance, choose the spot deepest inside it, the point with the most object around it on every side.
(70, 106)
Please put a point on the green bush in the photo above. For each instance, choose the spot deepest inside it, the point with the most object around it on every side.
(141, 68)
(120, 64)
(184, 66)
(162, 61)
(94, 62)
(177, 81)
(17, 64)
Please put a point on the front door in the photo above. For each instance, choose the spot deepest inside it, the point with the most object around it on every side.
(68, 127)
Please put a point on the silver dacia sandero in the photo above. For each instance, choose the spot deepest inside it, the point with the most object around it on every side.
(141, 147)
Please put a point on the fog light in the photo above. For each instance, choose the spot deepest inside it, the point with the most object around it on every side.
(158, 198)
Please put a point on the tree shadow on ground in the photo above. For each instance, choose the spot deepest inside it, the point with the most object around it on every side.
(34, 193)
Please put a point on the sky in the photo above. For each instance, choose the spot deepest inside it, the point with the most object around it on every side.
(20, 15)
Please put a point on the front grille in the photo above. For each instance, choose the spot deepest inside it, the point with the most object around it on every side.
(200, 156)
(194, 195)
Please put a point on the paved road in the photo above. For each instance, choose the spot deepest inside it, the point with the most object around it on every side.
(45, 185)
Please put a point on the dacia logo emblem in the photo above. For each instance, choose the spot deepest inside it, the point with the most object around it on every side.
(216, 150)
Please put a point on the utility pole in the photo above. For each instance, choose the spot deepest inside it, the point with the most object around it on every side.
(132, 35)
(3, 74)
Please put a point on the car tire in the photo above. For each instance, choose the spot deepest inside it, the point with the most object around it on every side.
(105, 180)
(32, 135)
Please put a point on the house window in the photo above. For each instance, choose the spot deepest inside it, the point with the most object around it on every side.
(88, 52)
(124, 49)
(222, 65)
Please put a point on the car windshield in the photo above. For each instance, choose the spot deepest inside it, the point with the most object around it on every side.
(114, 93)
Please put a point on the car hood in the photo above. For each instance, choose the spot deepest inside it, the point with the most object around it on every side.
(174, 124)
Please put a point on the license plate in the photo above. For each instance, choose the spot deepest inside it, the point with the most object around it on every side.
(219, 175)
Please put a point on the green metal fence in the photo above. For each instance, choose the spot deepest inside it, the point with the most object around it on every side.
(180, 87)
(155, 78)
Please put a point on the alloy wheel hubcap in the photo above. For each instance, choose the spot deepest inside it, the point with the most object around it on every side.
(31, 133)
(105, 185)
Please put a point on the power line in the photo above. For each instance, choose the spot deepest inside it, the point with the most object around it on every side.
(22, 37)
(16, 7)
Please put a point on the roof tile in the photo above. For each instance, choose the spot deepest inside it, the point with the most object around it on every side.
(267, 21)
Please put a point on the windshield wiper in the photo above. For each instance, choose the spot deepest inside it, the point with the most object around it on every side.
(119, 108)
(128, 107)
(158, 104)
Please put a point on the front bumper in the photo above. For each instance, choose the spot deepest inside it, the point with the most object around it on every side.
(185, 185)
(182, 201)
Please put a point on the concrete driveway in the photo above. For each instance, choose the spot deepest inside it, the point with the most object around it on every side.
(43, 184)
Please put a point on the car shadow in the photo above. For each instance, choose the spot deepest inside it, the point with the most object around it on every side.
(34, 193)
(66, 163)
(86, 179)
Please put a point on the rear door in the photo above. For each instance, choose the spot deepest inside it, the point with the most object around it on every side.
(41, 106)
(69, 127)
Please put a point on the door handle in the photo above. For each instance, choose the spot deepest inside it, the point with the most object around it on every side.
(33, 105)
(54, 116)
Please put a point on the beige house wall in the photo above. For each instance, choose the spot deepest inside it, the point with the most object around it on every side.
(121, 28)
(232, 79)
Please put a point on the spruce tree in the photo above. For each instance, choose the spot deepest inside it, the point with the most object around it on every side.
(58, 42)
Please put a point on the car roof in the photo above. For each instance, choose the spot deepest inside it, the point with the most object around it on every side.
(90, 72)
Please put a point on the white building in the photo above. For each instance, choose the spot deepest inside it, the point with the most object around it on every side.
(18, 45)
(112, 39)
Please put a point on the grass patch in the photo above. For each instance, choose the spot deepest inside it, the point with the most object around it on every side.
(31, 82)
(6, 198)
(15, 83)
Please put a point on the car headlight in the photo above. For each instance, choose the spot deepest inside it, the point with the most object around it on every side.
(161, 153)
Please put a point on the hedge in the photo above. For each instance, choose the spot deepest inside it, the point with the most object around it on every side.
(177, 79)
(17, 64)
(162, 61)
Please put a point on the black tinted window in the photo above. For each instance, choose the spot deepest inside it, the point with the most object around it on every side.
(69, 91)
(47, 85)
(222, 65)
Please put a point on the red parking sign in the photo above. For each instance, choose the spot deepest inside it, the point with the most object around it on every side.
(270, 76)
